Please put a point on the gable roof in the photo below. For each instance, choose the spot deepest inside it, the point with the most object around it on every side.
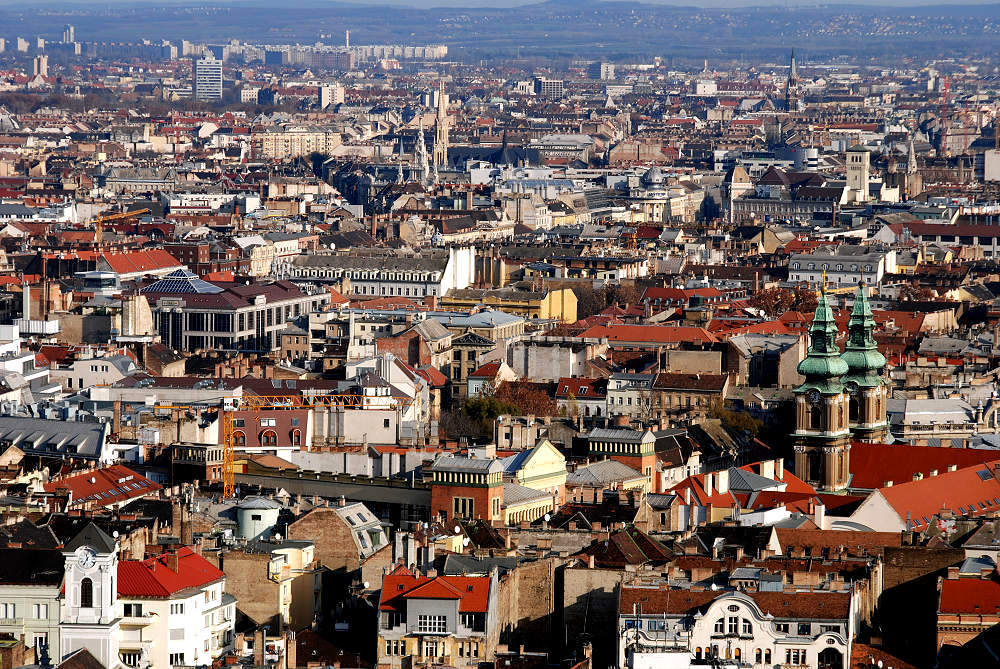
(971, 491)
(402, 584)
(153, 578)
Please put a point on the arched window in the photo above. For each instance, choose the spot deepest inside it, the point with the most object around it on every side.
(86, 594)
(767, 656)
(697, 653)
(296, 437)
(853, 408)
(757, 656)
(816, 417)
(269, 438)
(239, 439)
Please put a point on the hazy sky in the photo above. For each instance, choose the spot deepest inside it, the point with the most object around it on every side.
(21, 4)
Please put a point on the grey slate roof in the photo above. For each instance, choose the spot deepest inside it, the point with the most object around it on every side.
(53, 438)
(741, 480)
(92, 536)
(602, 473)
(450, 463)
(514, 494)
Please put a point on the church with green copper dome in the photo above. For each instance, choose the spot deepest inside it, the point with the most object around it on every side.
(842, 397)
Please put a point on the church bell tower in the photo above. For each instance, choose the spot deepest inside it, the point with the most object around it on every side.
(864, 382)
(822, 438)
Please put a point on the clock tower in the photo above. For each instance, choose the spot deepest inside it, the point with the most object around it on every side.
(864, 381)
(90, 606)
(822, 438)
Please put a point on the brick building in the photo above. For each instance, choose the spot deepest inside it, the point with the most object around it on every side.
(467, 488)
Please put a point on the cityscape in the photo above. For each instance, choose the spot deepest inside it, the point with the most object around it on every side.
(541, 335)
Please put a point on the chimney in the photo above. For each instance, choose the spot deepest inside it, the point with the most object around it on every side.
(341, 501)
(709, 476)
(170, 559)
(590, 562)
(258, 647)
(779, 469)
(291, 659)
(952, 573)
(723, 481)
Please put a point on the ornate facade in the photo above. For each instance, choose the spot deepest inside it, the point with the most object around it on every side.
(843, 397)
(822, 438)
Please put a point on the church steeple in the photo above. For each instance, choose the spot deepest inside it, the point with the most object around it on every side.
(864, 381)
(823, 365)
(822, 437)
(792, 85)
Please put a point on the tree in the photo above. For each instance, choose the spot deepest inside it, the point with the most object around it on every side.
(805, 300)
(590, 302)
(485, 409)
(737, 421)
(526, 399)
(772, 302)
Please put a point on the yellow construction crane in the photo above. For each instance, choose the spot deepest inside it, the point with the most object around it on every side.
(101, 220)
(259, 403)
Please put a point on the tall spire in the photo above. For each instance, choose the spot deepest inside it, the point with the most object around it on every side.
(861, 354)
(823, 364)
(421, 157)
(911, 158)
(793, 70)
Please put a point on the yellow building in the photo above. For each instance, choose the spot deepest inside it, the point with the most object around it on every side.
(546, 304)
(541, 468)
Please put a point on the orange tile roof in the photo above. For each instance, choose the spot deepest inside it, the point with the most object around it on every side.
(101, 487)
(402, 584)
(970, 491)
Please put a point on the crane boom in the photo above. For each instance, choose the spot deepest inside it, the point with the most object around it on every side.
(258, 403)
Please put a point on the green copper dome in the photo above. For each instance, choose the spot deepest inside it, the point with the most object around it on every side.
(861, 354)
(823, 365)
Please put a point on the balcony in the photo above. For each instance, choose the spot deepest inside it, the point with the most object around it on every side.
(137, 621)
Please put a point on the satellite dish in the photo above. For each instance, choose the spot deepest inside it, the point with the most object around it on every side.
(548, 517)
(115, 534)
(465, 541)
(425, 526)
(880, 664)
(366, 585)
(458, 529)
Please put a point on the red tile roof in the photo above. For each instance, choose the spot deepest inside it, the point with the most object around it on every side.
(402, 584)
(873, 465)
(153, 578)
(131, 262)
(970, 491)
(970, 595)
(580, 387)
(487, 371)
(699, 496)
(102, 487)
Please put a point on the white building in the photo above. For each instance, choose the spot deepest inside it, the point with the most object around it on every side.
(660, 628)
(174, 611)
(208, 79)
(844, 265)
(429, 274)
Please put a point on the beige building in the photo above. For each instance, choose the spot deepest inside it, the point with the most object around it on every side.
(289, 142)
(274, 581)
